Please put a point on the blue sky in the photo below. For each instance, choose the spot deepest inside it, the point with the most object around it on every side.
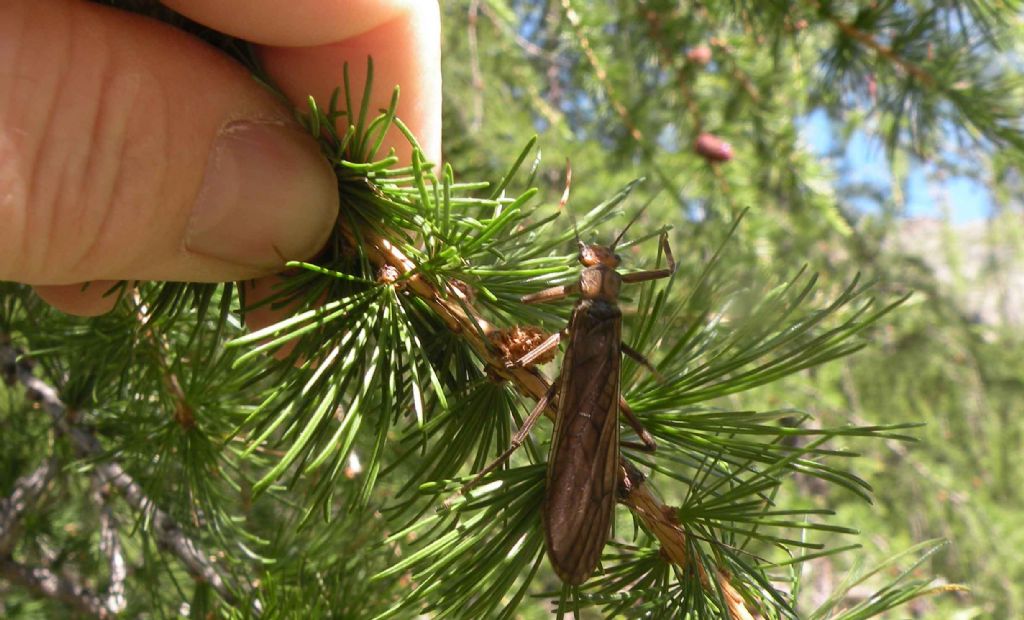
(866, 162)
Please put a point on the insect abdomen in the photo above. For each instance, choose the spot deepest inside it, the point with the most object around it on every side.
(583, 465)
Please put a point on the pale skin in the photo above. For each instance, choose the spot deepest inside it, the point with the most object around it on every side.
(113, 125)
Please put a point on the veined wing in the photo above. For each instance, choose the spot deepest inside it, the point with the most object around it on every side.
(583, 464)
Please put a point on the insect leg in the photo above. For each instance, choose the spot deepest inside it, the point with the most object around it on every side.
(550, 343)
(517, 440)
(639, 357)
(551, 294)
(654, 274)
(648, 444)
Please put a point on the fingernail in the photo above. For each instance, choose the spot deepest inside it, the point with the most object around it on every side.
(267, 196)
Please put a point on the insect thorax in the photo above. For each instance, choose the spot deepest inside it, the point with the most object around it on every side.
(600, 282)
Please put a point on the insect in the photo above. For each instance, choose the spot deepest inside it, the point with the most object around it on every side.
(583, 465)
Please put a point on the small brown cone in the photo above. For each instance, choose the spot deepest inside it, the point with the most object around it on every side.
(713, 148)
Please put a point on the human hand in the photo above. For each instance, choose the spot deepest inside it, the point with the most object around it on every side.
(132, 151)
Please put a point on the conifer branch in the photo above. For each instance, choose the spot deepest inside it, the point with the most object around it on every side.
(49, 584)
(881, 49)
(661, 520)
(183, 414)
(463, 319)
(529, 47)
(624, 115)
(110, 545)
(667, 61)
(164, 527)
(27, 490)
(548, 106)
(601, 73)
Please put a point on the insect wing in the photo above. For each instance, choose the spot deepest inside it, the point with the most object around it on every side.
(583, 464)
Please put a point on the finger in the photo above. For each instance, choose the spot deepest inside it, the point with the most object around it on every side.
(400, 57)
(130, 150)
(85, 299)
(305, 23)
(305, 48)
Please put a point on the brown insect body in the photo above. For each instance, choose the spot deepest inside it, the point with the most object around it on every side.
(583, 467)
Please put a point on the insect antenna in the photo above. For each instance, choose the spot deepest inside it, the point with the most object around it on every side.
(568, 184)
(565, 200)
(623, 233)
(576, 232)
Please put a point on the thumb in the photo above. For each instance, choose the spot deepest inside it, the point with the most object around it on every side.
(129, 150)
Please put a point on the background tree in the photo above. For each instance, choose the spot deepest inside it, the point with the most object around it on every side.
(151, 468)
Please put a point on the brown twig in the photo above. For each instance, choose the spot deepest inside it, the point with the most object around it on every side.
(601, 73)
(661, 520)
(884, 51)
(722, 49)
(879, 48)
(183, 413)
